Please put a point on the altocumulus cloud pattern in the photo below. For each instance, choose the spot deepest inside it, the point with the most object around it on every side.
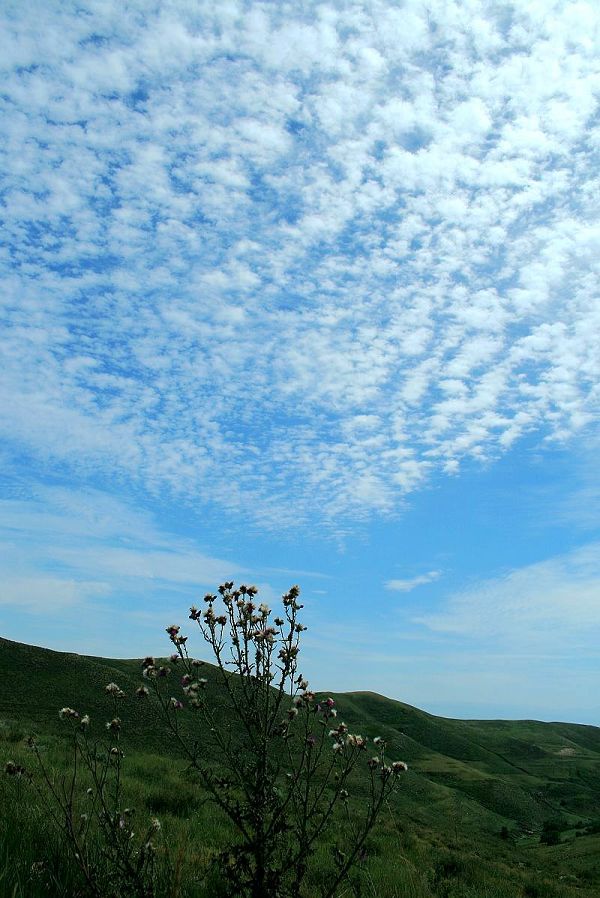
(268, 251)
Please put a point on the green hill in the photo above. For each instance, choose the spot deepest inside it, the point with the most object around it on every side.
(477, 796)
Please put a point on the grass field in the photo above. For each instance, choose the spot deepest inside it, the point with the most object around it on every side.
(465, 821)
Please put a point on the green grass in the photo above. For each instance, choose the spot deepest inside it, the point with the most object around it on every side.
(439, 836)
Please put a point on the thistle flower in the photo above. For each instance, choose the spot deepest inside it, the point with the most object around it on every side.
(66, 713)
(373, 763)
(173, 630)
(338, 747)
(399, 767)
(378, 741)
(85, 721)
(114, 690)
(174, 658)
(148, 661)
(114, 724)
(292, 712)
(175, 704)
(194, 613)
(356, 741)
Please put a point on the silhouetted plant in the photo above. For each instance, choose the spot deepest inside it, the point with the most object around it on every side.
(286, 764)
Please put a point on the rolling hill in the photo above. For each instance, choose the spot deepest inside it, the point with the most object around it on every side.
(483, 790)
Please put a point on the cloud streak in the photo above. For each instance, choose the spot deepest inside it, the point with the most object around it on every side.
(413, 582)
(553, 603)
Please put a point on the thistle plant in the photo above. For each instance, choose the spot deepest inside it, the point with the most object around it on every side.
(114, 858)
(275, 760)
(287, 764)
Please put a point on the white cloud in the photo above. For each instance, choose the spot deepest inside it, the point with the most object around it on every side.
(552, 604)
(47, 595)
(412, 582)
(236, 229)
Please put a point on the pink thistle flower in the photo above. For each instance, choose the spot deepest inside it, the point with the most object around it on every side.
(175, 704)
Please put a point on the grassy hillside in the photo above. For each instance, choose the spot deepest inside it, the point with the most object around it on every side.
(466, 822)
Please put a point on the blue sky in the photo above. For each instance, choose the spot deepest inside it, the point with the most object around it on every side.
(308, 293)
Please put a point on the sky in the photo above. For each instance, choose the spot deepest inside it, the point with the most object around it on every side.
(308, 293)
